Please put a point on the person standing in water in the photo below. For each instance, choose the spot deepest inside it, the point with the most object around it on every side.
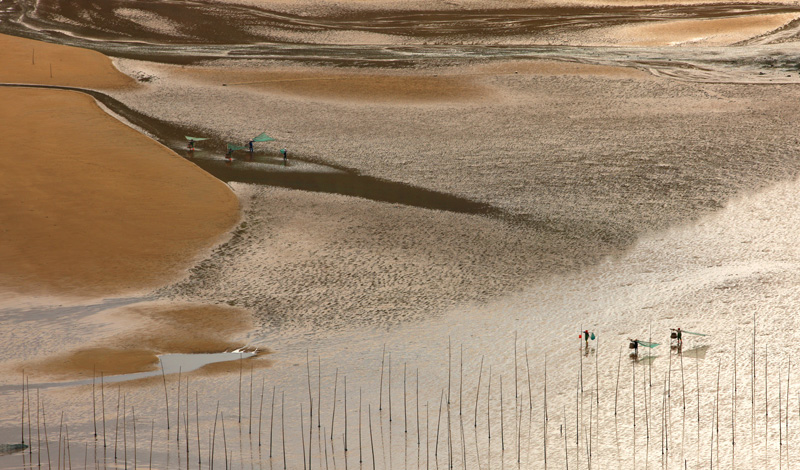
(635, 346)
(677, 334)
(283, 152)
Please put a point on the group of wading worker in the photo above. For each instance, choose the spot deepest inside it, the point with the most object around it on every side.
(675, 334)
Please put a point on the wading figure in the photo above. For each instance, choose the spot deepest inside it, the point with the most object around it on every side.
(283, 152)
(634, 344)
(677, 335)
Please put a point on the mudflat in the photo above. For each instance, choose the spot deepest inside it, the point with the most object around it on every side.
(92, 207)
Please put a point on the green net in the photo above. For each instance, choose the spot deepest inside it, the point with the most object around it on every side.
(648, 344)
(263, 137)
(236, 147)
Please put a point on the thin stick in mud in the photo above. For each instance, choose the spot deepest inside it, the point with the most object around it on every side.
(380, 388)
(477, 391)
(166, 395)
(333, 414)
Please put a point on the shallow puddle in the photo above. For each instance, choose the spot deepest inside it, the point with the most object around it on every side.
(171, 364)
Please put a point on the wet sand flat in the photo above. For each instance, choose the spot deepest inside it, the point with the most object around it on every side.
(37, 62)
(90, 206)
(128, 339)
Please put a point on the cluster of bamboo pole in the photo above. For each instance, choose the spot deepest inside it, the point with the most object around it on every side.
(502, 429)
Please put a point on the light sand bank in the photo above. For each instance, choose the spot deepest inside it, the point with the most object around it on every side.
(90, 206)
(704, 32)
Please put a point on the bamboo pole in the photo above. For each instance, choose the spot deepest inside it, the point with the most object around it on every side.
(224, 438)
(380, 390)
(94, 405)
(23, 412)
(103, 406)
(133, 410)
(30, 435)
(44, 422)
(60, 428)
(405, 401)
(272, 420)
(461, 379)
(335, 385)
(438, 427)
(214, 438)
(616, 389)
(197, 425)
(152, 435)
(502, 421)
(371, 441)
(360, 442)
(241, 369)
(478, 391)
(178, 413)
(125, 430)
(303, 437)
(116, 423)
(283, 430)
(261, 409)
(166, 395)
(390, 387)
(416, 402)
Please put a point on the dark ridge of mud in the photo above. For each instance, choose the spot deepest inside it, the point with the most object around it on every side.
(199, 31)
(341, 181)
